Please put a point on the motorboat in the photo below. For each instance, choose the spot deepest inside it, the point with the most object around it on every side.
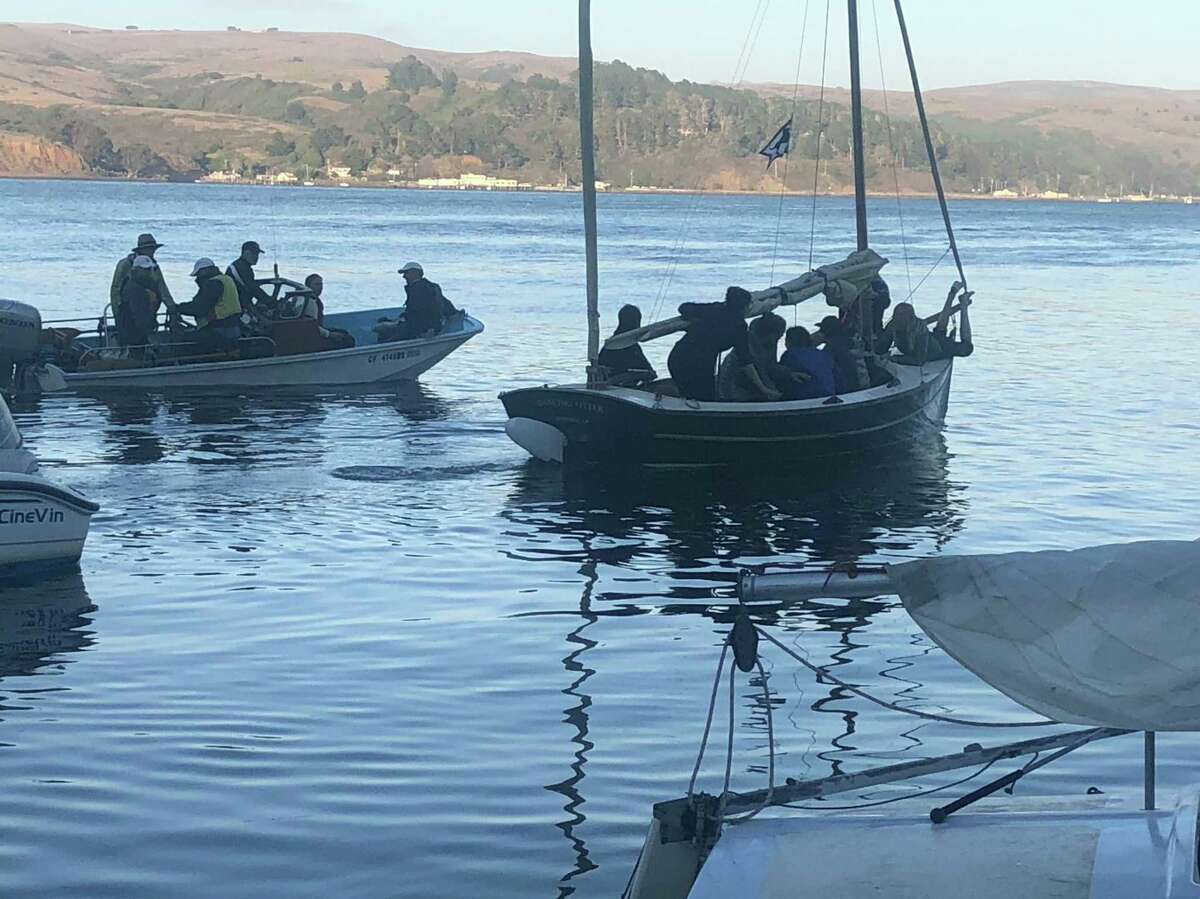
(601, 423)
(1103, 637)
(40, 521)
(292, 351)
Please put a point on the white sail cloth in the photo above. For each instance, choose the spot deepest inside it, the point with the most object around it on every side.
(1104, 636)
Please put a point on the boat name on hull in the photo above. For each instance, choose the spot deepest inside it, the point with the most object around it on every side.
(40, 515)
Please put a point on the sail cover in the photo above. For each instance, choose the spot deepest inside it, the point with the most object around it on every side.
(1104, 636)
(856, 271)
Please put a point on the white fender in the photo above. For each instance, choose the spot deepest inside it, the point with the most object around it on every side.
(540, 440)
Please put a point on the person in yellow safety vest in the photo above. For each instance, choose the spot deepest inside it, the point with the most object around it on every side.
(216, 306)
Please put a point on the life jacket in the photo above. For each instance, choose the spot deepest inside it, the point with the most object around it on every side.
(229, 306)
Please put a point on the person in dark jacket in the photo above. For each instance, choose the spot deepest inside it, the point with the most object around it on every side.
(627, 367)
(712, 329)
(426, 307)
(242, 272)
(140, 299)
(145, 249)
(816, 365)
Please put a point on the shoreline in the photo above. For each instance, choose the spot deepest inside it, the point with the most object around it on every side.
(655, 191)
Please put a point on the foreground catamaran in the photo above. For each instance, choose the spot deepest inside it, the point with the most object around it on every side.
(1103, 637)
(596, 423)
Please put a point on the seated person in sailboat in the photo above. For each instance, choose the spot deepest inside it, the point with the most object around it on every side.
(774, 381)
(216, 307)
(816, 365)
(712, 329)
(849, 366)
(627, 367)
(912, 337)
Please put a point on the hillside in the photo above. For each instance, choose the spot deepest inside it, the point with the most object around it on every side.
(179, 104)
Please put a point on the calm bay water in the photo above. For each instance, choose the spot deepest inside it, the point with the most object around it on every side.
(354, 642)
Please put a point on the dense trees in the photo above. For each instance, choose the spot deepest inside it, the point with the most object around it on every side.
(673, 134)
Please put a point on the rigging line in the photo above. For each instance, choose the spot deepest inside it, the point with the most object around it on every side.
(712, 704)
(863, 694)
(787, 159)
(887, 118)
(733, 669)
(762, 674)
(932, 269)
(812, 230)
(739, 74)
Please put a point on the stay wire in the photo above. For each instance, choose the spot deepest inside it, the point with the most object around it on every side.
(787, 158)
(887, 118)
(739, 74)
(863, 694)
(812, 232)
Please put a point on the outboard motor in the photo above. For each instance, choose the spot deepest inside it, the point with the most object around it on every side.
(20, 329)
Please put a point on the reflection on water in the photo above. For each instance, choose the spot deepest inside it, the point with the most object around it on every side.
(43, 617)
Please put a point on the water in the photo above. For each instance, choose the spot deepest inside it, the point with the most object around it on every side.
(354, 642)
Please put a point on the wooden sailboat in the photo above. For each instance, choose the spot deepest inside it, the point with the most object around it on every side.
(596, 423)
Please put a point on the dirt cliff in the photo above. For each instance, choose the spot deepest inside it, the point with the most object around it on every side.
(25, 155)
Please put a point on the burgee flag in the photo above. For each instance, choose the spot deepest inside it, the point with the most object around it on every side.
(779, 145)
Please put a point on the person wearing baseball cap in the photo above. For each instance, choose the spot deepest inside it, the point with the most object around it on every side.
(144, 249)
(242, 272)
(426, 308)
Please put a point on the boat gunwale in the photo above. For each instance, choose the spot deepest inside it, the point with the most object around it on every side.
(472, 327)
(661, 404)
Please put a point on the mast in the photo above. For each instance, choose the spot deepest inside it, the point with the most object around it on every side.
(860, 176)
(587, 151)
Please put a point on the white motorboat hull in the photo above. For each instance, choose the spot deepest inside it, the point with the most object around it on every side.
(1054, 848)
(366, 363)
(41, 522)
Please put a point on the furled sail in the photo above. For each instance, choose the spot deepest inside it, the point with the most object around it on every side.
(858, 269)
(1108, 635)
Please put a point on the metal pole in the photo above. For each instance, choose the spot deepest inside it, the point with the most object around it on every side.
(933, 163)
(1150, 770)
(860, 174)
(587, 152)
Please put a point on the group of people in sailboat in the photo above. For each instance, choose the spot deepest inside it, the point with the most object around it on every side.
(231, 305)
(841, 355)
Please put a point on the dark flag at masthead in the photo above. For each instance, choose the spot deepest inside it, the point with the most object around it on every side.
(779, 145)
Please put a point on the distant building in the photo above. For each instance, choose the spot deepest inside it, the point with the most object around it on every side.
(339, 171)
(1005, 194)
(1054, 195)
(285, 178)
(229, 177)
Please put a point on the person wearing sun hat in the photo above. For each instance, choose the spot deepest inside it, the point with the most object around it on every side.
(145, 248)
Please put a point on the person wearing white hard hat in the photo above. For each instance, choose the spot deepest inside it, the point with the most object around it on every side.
(216, 307)
(138, 308)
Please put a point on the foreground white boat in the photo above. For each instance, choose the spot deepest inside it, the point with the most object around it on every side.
(1103, 636)
(367, 362)
(40, 522)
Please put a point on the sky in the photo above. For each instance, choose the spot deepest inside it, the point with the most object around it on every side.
(957, 42)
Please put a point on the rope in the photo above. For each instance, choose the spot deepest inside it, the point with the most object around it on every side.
(712, 704)
(812, 231)
(862, 694)
(887, 118)
(728, 745)
(770, 753)
(932, 268)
